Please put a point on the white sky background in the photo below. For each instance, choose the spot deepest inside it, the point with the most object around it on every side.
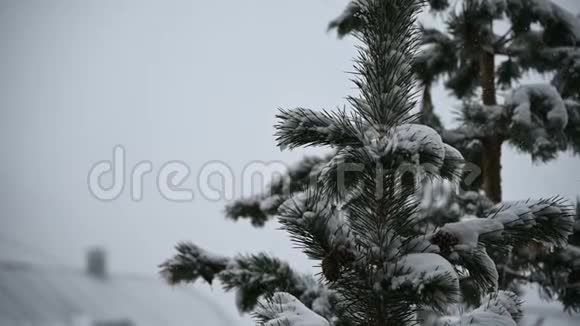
(169, 80)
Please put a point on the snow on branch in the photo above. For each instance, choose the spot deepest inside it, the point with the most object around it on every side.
(501, 308)
(410, 144)
(534, 118)
(431, 276)
(549, 108)
(260, 208)
(250, 276)
(303, 127)
(548, 14)
(190, 263)
(505, 226)
(316, 226)
(413, 148)
(337, 178)
(432, 35)
(420, 145)
(479, 121)
(539, 118)
(504, 303)
(283, 309)
(437, 55)
(545, 220)
(453, 163)
(423, 145)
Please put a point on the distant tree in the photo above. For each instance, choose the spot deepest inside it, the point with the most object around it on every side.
(541, 37)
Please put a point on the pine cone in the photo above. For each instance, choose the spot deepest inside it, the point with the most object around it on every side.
(331, 267)
(444, 240)
(335, 261)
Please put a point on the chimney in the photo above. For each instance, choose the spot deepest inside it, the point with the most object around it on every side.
(97, 263)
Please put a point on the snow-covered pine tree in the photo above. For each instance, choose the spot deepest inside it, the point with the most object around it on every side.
(360, 219)
(541, 37)
(538, 119)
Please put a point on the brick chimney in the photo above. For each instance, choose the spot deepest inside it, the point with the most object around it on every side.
(97, 263)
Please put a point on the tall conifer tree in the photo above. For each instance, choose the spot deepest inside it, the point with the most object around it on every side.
(381, 260)
(539, 119)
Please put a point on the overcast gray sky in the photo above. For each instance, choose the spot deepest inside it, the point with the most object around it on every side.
(169, 80)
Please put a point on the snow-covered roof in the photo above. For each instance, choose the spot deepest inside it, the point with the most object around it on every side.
(38, 295)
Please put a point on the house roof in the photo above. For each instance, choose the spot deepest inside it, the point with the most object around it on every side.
(39, 295)
(60, 296)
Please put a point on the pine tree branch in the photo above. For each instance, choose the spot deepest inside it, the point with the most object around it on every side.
(348, 21)
(251, 277)
(315, 226)
(437, 55)
(190, 263)
(502, 308)
(505, 226)
(504, 39)
(283, 309)
(559, 24)
(383, 66)
(539, 117)
(303, 127)
(545, 220)
(299, 177)
(558, 273)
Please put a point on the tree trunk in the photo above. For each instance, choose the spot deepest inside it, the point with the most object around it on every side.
(491, 158)
(491, 168)
(427, 102)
